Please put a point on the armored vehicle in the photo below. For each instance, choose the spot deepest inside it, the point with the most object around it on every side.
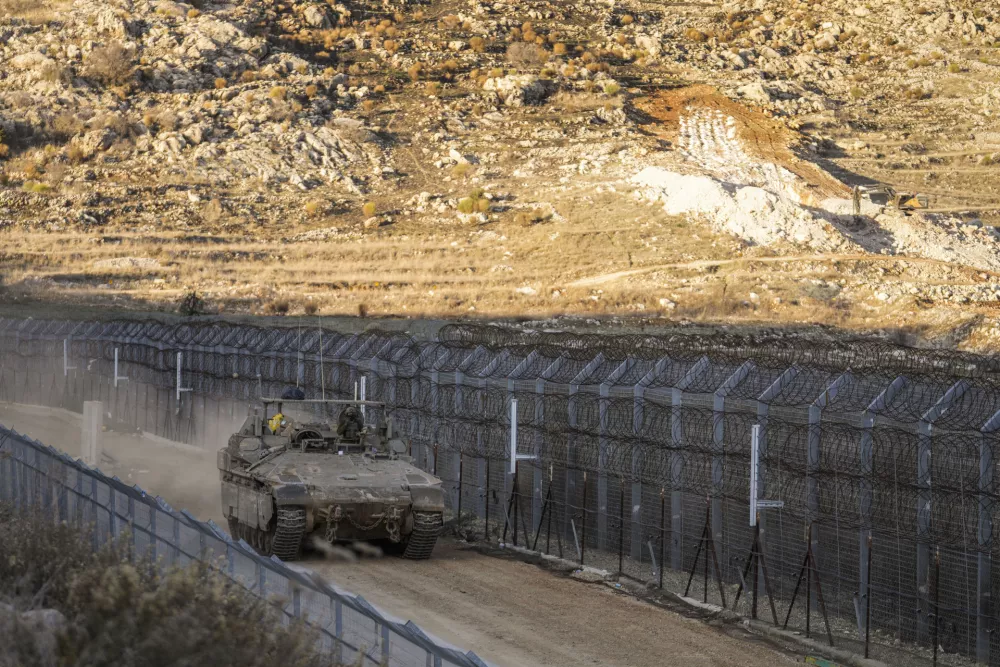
(293, 470)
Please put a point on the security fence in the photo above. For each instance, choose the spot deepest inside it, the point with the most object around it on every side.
(350, 630)
(877, 459)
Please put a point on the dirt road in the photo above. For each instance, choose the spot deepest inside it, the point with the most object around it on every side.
(510, 613)
(518, 615)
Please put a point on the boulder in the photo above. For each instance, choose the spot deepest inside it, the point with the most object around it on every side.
(825, 41)
(650, 45)
(31, 61)
(316, 17)
(518, 90)
(222, 33)
(754, 92)
(95, 141)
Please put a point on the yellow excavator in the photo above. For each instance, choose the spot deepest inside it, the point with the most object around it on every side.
(885, 195)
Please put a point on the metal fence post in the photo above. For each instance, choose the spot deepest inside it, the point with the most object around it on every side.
(536, 478)
(602, 473)
(435, 415)
(813, 459)
(925, 496)
(984, 557)
(338, 629)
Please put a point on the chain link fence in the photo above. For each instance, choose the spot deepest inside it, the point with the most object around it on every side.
(351, 631)
(636, 452)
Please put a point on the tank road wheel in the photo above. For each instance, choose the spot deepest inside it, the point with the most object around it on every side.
(426, 528)
(286, 542)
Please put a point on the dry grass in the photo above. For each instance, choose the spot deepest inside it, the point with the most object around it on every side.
(34, 11)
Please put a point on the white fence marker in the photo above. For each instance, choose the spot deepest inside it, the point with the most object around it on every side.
(118, 378)
(757, 504)
(180, 359)
(66, 367)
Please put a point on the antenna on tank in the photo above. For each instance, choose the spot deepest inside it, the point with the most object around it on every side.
(322, 373)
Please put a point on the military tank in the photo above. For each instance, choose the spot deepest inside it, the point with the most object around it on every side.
(293, 471)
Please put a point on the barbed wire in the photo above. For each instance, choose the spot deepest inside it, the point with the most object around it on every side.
(580, 410)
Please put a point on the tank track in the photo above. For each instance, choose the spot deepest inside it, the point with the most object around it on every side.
(259, 539)
(426, 528)
(291, 528)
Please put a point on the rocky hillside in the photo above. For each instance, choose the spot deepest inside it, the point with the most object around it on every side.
(494, 157)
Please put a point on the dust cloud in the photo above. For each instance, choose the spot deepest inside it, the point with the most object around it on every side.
(186, 477)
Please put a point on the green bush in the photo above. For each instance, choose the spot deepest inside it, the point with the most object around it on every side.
(36, 187)
(123, 613)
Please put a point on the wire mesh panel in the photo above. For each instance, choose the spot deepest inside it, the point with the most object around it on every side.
(641, 441)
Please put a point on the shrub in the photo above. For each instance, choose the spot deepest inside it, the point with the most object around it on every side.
(310, 308)
(477, 44)
(315, 208)
(433, 88)
(36, 186)
(75, 154)
(368, 106)
(277, 307)
(66, 125)
(4, 150)
(476, 201)
(196, 611)
(220, 83)
(695, 35)
(954, 68)
(311, 91)
(191, 304)
(414, 71)
(461, 170)
(612, 89)
(368, 209)
(193, 13)
(559, 49)
(528, 218)
(627, 19)
(111, 65)
(857, 93)
(54, 73)
(278, 93)
(213, 211)
(525, 54)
